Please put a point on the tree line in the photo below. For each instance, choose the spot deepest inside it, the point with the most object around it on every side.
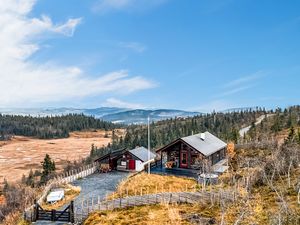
(224, 125)
(281, 122)
(50, 126)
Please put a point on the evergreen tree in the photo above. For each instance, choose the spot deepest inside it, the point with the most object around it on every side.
(48, 168)
(291, 135)
(93, 149)
(30, 179)
(6, 186)
(23, 180)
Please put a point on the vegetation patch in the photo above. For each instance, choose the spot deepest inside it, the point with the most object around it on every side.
(155, 215)
(144, 183)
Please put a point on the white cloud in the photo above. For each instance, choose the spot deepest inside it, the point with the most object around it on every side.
(245, 79)
(68, 28)
(24, 82)
(234, 90)
(113, 102)
(135, 46)
(104, 6)
(241, 84)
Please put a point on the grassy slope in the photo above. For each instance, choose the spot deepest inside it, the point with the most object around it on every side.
(152, 183)
(153, 215)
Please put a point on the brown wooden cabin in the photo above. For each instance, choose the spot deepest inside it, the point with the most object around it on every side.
(189, 152)
(111, 158)
(135, 159)
(127, 160)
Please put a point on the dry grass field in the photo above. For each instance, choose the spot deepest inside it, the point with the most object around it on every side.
(156, 215)
(21, 154)
(144, 183)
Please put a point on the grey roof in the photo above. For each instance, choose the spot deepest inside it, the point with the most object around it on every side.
(208, 146)
(142, 153)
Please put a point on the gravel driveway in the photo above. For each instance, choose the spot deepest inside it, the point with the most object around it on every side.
(93, 186)
(97, 185)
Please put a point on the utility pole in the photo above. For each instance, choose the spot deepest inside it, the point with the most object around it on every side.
(149, 164)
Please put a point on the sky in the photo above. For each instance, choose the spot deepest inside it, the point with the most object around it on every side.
(198, 55)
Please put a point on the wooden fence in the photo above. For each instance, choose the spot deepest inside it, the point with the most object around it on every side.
(65, 178)
(90, 205)
(66, 215)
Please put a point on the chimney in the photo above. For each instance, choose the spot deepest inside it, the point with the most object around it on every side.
(202, 136)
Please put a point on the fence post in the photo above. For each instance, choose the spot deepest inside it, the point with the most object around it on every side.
(35, 211)
(88, 207)
(53, 212)
(71, 214)
(92, 203)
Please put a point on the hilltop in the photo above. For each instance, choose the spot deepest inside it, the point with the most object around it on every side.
(111, 114)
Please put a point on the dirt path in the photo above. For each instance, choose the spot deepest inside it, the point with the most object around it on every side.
(245, 130)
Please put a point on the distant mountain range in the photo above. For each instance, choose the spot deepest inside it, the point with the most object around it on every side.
(113, 114)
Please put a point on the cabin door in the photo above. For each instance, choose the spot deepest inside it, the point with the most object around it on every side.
(131, 164)
(183, 159)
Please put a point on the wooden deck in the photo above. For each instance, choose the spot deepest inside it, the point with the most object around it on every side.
(175, 171)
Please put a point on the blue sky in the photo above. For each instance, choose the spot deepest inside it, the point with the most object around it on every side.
(193, 55)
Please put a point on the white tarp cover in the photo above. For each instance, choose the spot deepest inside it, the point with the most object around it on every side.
(209, 175)
(56, 195)
(221, 169)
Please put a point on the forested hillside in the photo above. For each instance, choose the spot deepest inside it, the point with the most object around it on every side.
(283, 122)
(224, 125)
(49, 127)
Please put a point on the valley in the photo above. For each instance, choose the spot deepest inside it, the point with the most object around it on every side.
(21, 154)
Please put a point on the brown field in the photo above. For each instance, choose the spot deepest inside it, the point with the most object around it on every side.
(21, 154)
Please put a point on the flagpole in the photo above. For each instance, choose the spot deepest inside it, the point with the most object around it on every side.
(149, 145)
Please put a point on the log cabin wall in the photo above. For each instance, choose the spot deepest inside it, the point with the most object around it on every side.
(218, 156)
(194, 157)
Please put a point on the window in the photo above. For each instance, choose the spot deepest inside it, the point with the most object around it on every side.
(183, 161)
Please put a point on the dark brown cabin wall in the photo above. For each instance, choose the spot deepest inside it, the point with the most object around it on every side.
(189, 157)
